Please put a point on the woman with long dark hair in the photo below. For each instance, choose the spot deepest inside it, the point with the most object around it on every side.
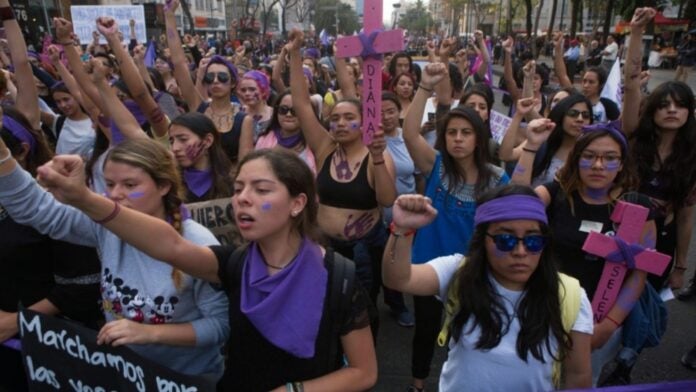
(509, 312)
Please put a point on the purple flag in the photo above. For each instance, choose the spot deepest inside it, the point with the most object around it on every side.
(150, 54)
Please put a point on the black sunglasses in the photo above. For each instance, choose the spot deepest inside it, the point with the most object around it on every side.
(575, 113)
(507, 242)
(222, 77)
(286, 110)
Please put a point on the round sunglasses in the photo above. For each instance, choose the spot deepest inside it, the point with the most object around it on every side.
(507, 242)
(222, 77)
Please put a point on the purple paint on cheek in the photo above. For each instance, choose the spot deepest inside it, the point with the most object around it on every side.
(266, 206)
(519, 170)
(585, 164)
(355, 125)
(333, 125)
(612, 166)
(136, 195)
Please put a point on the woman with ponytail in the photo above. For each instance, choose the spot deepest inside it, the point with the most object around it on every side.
(156, 310)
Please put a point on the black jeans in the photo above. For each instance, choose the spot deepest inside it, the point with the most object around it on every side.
(428, 312)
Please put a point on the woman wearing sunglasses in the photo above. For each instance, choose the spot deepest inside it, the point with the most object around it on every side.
(598, 173)
(513, 322)
(457, 171)
(284, 131)
(220, 78)
(568, 116)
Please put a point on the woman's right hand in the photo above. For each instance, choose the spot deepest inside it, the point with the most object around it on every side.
(538, 131)
(63, 29)
(295, 40)
(529, 69)
(64, 177)
(413, 211)
(525, 105)
(98, 70)
(433, 74)
(507, 44)
(170, 6)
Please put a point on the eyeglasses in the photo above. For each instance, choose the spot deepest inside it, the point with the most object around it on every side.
(222, 77)
(606, 158)
(507, 242)
(286, 110)
(575, 113)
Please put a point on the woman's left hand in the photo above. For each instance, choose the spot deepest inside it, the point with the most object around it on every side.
(378, 145)
(64, 177)
(120, 332)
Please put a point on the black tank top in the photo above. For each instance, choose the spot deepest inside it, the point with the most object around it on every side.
(355, 195)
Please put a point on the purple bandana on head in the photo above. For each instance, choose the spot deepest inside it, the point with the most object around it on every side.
(614, 128)
(19, 131)
(198, 181)
(286, 308)
(511, 208)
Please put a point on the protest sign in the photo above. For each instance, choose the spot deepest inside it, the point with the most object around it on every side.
(61, 356)
(218, 216)
(84, 20)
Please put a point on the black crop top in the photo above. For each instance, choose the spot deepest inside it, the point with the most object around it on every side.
(355, 195)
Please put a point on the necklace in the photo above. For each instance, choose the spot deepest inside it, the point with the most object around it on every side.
(223, 121)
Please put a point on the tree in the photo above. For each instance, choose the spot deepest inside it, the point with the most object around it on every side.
(325, 17)
(416, 19)
(267, 10)
(528, 17)
(187, 15)
(303, 10)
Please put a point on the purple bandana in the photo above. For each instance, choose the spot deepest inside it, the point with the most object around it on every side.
(613, 127)
(511, 208)
(198, 181)
(286, 308)
(19, 131)
(288, 141)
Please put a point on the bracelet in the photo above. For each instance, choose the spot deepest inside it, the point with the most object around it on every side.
(430, 90)
(6, 13)
(612, 320)
(7, 158)
(392, 229)
(529, 150)
(375, 163)
(676, 267)
(111, 216)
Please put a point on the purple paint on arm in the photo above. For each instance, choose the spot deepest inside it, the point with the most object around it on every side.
(519, 169)
(266, 206)
(629, 295)
(648, 239)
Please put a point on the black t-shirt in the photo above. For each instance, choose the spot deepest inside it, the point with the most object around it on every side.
(569, 231)
(254, 363)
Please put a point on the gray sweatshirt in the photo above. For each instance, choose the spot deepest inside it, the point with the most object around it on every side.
(133, 285)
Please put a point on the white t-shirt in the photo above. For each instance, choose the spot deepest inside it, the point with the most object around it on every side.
(76, 137)
(498, 369)
(612, 50)
(599, 114)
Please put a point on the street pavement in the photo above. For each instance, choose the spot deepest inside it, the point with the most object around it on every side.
(659, 364)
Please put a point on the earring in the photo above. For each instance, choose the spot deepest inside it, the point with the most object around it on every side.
(294, 214)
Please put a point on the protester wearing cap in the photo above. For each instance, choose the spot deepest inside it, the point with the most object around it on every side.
(506, 305)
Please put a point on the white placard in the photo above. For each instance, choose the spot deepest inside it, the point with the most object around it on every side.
(84, 20)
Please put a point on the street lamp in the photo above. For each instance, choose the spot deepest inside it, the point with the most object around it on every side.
(396, 14)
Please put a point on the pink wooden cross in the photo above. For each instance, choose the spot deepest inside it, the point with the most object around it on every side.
(621, 252)
(370, 44)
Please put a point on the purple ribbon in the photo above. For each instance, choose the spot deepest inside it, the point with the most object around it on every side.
(14, 344)
(19, 131)
(368, 41)
(625, 252)
(613, 127)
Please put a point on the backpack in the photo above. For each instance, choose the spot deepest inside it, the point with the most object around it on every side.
(340, 290)
(569, 292)
(60, 121)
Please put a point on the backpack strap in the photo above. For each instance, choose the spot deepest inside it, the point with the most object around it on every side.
(60, 121)
(235, 263)
(237, 125)
(451, 307)
(341, 288)
(569, 294)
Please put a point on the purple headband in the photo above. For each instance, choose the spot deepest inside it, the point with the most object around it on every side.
(511, 208)
(19, 131)
(217, 59)
(614, 128)
(261, 80)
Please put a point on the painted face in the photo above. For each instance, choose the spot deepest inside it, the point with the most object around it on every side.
(402, 65)
(249, 92)
(404, 87)
(514, 268)
(590, 85)
(344, 122)
(575, 118)
(217, 88)
(671, 114)
(390, 116)
(310, 64)
(132, 187)
(288, 120)
(479, 104)
(460, 138)
(188, 148)
(66, 103)
(261, 202)
(600, 163)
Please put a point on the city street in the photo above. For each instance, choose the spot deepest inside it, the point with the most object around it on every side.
(655, 364)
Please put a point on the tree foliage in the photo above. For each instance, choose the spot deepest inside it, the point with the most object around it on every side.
(325, 17)
(416, 19)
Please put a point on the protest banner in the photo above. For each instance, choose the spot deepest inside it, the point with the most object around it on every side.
(84, 20)
(218, 216)
(62, 356)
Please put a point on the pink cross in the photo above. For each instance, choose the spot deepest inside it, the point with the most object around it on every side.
(371, 44)
(621, 252)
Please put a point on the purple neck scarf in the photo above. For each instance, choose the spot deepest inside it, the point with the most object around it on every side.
(19, 131)
(288, 141)
(286, 308)
(198, 181)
